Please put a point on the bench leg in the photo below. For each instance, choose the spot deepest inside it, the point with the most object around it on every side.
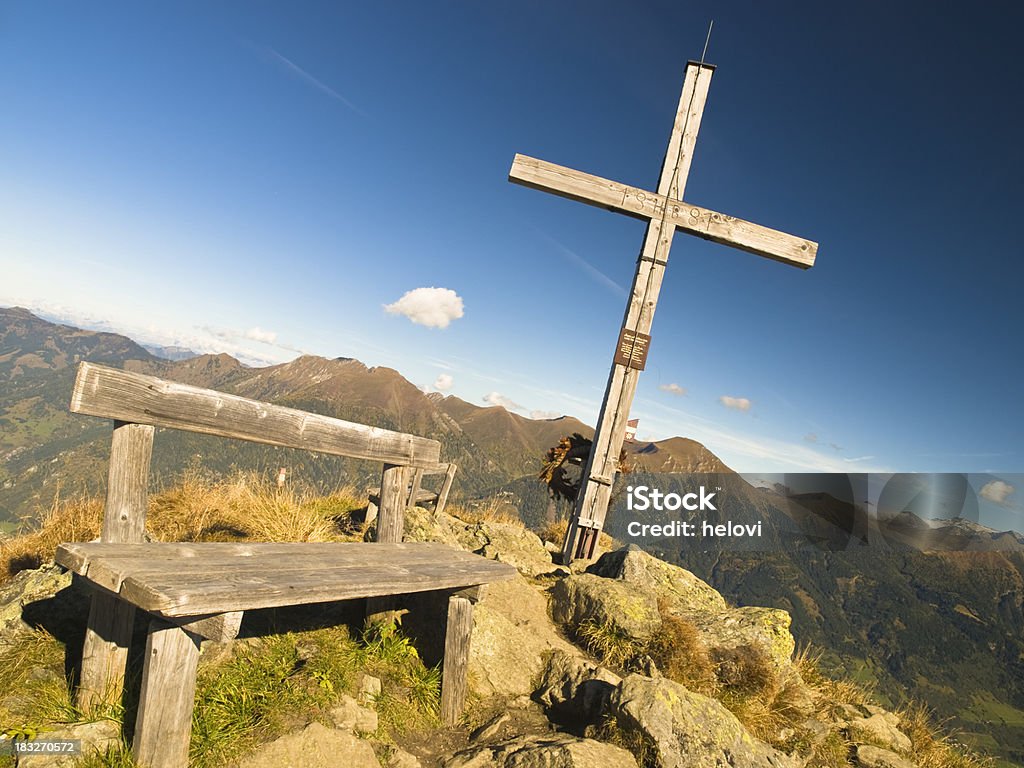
(454, 672)
(164, 723)
(105, 652)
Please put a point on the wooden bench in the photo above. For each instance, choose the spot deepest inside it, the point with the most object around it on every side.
(201, 590)
(418, 495)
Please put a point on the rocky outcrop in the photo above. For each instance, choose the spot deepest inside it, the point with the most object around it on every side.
(554, 751)
(607, 602)
(575, 691)
(874, 757)
(504, 542)
(687, 730)
(315, 746)
(881, 729)
(678, 592)
(512, 635)
(26, 588)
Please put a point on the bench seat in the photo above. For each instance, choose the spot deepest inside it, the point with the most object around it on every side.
(190, 579)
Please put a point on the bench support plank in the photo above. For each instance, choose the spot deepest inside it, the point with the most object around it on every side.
(455, 671)
(109, 631)
(105, 652)
(163, 727)
(394, 496)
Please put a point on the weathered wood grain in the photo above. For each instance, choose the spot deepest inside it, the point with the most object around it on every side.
(702, 222)
(126, 396)
(446, 488)
(109, 629)
(124, 514)
(105, 652)
(455, 669)
(164, 722)
(272, 575)
(394, 498)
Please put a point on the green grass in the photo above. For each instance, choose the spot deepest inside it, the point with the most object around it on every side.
(266, 688)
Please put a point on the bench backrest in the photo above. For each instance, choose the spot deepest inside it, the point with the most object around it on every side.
(138, 403)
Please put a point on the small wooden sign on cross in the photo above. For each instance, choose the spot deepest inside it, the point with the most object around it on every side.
(665, 212)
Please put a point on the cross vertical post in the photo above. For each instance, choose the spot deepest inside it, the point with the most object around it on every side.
(665, 212)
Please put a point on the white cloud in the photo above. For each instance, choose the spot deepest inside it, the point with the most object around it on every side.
(443, 382)
(673, 389)
(997, 492)
(432, 307)
(544, 415)
(736, 403)
(258, 334)
(496, 398)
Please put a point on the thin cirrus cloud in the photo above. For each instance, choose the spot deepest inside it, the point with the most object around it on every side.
(673, 389)
(735, 403)
(589, 269)
(432, 307)
(307, 78)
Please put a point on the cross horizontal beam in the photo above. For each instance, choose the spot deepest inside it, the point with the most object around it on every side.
(642, 204)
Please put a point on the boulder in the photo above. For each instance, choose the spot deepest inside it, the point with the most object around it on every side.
(315, 746)
(680, 591)
(548, 751)
(369, 689)
(512, 635)
(349, 716)
(504, 542)
(25, 588)
(869, 756)
(574, 690)
(687, 730)
(764, 628)
(96, 737)
(607, 602)
(881, 730)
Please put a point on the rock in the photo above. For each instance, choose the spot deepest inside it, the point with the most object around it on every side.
(554, 751)
(683, 594)
(316, 746)
(512, 634)
(28, 587)
(764, 628)
(874, 757)
(399, 758)
(504, 542)
(96, 737)
(606, 602)
(879, 730)
(369, 689)
(688, 730)
(575, 691)
(681, 591)
(349, 716)
(490, 729)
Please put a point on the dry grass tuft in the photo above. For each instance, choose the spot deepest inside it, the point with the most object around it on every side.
(932, 746)
(682, 656)
(493, 510)
(244, 507)
(76, 519)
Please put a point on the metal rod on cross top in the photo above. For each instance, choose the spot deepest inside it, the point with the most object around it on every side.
(665, 212)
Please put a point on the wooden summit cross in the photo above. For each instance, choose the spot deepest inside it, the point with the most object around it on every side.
(664, 212)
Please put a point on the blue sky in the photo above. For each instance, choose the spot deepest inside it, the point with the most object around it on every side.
(264, 179)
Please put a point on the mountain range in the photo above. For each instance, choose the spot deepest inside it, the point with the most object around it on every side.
(908, 608)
